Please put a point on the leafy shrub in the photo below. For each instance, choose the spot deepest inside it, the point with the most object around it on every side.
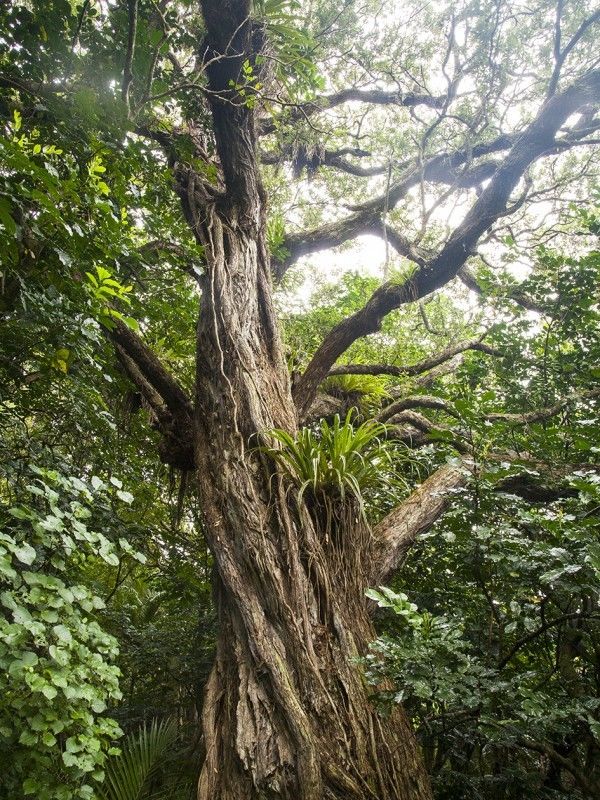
(498, 664)
(57, 663)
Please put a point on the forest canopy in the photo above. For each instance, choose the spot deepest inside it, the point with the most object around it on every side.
(299, 382)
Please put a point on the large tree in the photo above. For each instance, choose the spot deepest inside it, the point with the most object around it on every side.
(203, 101)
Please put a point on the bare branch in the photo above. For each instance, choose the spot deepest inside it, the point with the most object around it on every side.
(327, 158)
(560, 56)
(540, 414)
(368, 217)
(150, 367)
(132, 7)
(415, 401)
(537, 139)
(371, 96)
(425, 319)
(542, 629)
(421, 366)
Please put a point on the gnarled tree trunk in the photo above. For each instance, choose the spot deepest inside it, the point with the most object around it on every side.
(287, 714)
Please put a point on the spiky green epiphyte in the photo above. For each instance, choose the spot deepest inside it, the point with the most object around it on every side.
(339, 459)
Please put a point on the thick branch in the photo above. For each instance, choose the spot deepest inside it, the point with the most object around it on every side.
(415, 369)
(151, 369)
(228, 45)
(371, 96)
(418, 401)
(323, 157)
(396, 533)
(173, 420)
(426, 431)
(161, 413)
(367, 218)
(537, 139)
(440, 169)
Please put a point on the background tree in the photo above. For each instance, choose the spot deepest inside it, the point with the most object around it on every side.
(134, 140)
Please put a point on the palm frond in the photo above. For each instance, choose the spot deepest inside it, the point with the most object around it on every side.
(129, 775)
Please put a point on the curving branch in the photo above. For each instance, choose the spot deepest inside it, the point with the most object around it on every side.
(368, 217)
(161, 381)
(588, 786)
(454, 169)
(536, 140)
(561, 55)
(421, 431)
(400, 414)
(297, 113)
(416, 401)
(541, 414)
(541, 630)
(170, 409)
(421, 366)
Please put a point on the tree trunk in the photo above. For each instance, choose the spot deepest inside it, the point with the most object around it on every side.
(287, 713)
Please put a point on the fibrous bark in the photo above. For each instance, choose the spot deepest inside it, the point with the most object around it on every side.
(286, 712)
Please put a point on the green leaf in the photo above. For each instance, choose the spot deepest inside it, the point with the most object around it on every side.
(62, 633)
(49, 691)
(25, 553)
(126, 497)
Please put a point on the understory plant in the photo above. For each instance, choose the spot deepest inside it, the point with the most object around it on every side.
(147, 766)
(56, 661)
